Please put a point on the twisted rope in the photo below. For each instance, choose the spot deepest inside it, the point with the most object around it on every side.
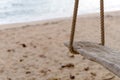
(73, 25)
(102, 22)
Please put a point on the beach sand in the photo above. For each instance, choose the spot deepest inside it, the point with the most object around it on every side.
(36, 51)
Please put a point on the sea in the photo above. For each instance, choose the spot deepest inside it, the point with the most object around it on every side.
(17, 11)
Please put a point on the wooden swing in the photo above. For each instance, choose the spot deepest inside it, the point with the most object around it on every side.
(93, 51)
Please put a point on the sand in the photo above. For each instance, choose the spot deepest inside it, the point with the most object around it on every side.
(36, 51)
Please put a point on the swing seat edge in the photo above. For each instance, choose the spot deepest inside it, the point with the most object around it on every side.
(100, 54)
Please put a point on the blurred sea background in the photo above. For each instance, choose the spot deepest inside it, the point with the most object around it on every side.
(16, 11)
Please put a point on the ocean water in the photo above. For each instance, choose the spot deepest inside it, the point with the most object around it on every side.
(15, 11)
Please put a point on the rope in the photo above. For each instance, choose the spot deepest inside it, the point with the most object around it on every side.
(73, 25)
(102, 22)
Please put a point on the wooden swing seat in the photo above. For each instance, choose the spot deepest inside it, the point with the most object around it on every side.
(100, 54)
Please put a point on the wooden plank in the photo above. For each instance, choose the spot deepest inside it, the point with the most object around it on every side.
(100, 54)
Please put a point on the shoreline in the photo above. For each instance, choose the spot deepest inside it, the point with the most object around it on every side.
(13, 25)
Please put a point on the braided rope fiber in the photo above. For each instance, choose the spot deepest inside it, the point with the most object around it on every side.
(102, 22)
(74, 24)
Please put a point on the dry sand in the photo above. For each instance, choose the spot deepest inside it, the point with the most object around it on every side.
(35, 50)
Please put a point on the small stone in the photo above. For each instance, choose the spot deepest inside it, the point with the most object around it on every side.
(72, 77)
(93, 74)
(86, 68)
(43, 72)
(23, 45)
(28, 72)
(21, 60)
(49, 70)
(10, 50)
(70, 65)
(42, 56)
